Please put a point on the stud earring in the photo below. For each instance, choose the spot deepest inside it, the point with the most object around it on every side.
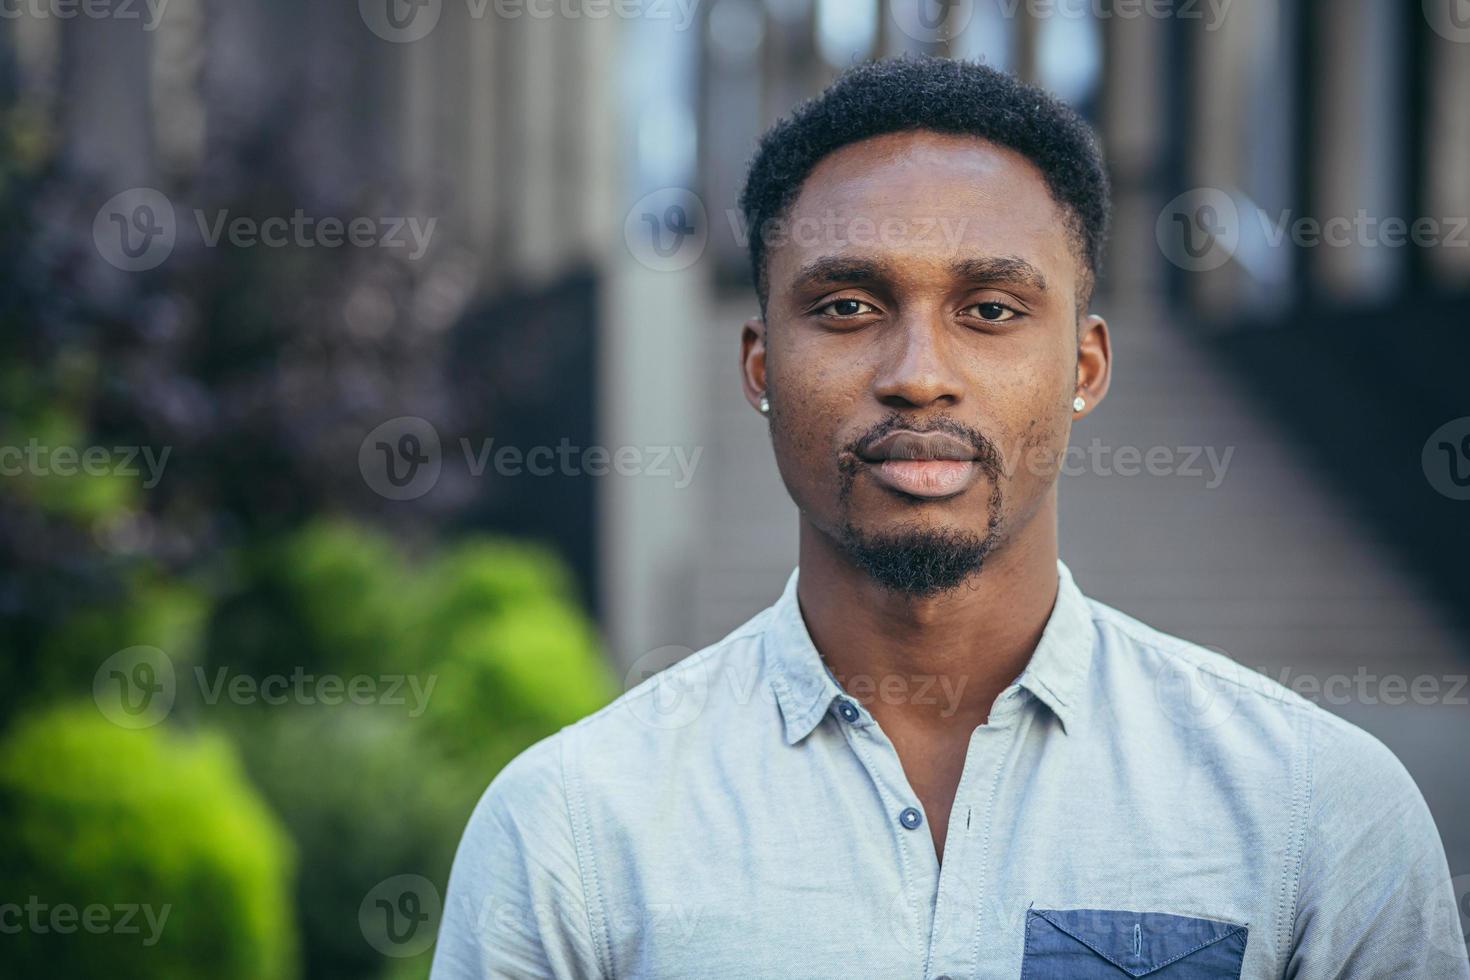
(765, 405)
(1078, 404)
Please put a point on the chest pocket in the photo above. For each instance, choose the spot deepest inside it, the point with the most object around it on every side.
(1091, 944)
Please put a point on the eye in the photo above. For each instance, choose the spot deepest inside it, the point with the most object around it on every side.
(993, 312)
(846, 307)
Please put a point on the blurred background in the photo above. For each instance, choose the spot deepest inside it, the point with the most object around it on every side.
(369, 409)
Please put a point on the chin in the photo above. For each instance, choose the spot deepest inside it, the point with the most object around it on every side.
(920, 559)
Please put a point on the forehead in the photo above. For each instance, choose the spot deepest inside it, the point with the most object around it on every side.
(924, 199)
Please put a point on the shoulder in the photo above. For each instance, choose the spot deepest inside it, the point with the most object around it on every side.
(1339, 768)
(672, 705)
(1199, 688)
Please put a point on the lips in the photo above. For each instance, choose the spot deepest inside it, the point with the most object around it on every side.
(929, 465)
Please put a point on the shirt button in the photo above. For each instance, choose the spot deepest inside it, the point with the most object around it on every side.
(910, 817)
(847, 711)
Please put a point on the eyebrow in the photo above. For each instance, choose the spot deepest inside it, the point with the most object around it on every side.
(1000, 270)
(834, 269)
(1006, 270)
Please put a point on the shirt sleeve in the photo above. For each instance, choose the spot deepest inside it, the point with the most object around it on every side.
(1375, 897)
(515, 906)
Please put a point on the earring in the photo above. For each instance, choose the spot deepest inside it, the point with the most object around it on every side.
(765, 405)
(1078, 404)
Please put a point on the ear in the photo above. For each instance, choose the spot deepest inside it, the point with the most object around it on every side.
(753, 360)
(1094, 362)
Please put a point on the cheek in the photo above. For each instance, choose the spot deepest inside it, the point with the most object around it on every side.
(1042, 440)
(812, 404)
(1030, 410)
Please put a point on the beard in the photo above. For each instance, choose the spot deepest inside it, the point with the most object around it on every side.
(921, 562)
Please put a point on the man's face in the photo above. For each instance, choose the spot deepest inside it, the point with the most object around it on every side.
(920, 352)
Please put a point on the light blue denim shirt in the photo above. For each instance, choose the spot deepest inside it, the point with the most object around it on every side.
(1135, 806)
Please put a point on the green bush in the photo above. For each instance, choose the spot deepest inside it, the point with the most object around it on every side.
(328, 597)
(365, 799)
(152, 610)
(99, 819)
(488, 629)
(508, 679)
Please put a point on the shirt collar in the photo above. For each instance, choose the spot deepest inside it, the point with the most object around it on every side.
(806, 689)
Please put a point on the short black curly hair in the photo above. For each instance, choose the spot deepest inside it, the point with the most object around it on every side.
(942, 95)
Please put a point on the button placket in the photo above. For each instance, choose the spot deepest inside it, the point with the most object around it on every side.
(957, 923)
(920, 876)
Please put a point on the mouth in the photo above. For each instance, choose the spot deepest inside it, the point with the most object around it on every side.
(928, 465)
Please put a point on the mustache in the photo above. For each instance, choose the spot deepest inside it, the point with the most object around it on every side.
(987, 453)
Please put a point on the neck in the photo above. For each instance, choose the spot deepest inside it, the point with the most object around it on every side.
(938, 661)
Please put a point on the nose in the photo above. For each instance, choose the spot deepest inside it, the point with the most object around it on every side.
(919, 368)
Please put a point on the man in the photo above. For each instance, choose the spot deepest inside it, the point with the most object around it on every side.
(933, 756)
